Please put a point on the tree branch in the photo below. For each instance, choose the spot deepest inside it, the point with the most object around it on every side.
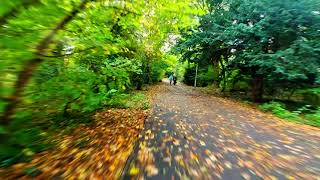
(25, 75)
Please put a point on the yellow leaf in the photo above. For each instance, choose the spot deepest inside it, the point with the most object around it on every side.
(193, 156)
(134, 171)
(176, 142)
(202, 143)
(290, 177)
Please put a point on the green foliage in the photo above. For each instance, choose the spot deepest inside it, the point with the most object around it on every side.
(279, 110)
(303, 115)
(71, 86)
(189, 75)
(277, 41)
(159, 69)
(134, 101)
(19, 143)
(106, 51)
(311, 96)
(205, 76)
(32, 171)
(314, 118)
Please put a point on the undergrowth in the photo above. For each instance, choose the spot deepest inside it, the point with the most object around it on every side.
(305, 115)
(27, 136)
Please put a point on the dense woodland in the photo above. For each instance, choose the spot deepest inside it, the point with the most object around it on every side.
(266, 50)
(62, 60)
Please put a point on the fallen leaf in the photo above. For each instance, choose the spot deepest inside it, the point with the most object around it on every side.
(134, 171)
(202, 143)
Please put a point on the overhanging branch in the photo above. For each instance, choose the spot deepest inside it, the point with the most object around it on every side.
(27, 72)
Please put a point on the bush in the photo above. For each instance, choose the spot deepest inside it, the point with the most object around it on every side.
(62, 99)
(314, 118)
(134, 100)
(279, 110)
(20, 142)
(205, 76)
(311, 96)
(303, 115)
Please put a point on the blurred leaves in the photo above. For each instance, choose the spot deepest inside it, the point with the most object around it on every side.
(100, 57)
(99, 150)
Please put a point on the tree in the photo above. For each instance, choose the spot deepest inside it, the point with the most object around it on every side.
(274, 42)
(28, 69)
(61, 59)
(129, 31)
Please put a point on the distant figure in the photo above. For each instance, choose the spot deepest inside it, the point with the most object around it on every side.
(174, 80)
(171, 79)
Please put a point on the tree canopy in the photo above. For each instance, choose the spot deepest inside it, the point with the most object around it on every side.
(61, 58)
(274, 42)
(114, 42)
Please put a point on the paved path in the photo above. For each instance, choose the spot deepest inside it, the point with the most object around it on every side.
(195, 136)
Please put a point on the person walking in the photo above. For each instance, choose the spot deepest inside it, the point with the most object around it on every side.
(174, 79)
(171, 79)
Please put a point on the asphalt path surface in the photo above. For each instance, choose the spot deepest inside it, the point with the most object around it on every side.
(191, 135)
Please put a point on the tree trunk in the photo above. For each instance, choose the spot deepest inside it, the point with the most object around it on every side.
(216, 70)
(257, 88)
(25, 75)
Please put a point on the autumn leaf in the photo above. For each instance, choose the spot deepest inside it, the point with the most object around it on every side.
(202, 143)
(134, 171)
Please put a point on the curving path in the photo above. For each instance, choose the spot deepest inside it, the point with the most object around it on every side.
(196, 136)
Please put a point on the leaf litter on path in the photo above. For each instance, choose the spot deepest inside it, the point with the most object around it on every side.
(96, 152)
(198, 136)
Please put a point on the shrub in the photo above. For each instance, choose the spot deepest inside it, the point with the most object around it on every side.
(205, 76)
(314, 118)
(303, 115)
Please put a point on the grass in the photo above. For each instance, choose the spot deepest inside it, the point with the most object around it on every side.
(135, 100)
(304, 115)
